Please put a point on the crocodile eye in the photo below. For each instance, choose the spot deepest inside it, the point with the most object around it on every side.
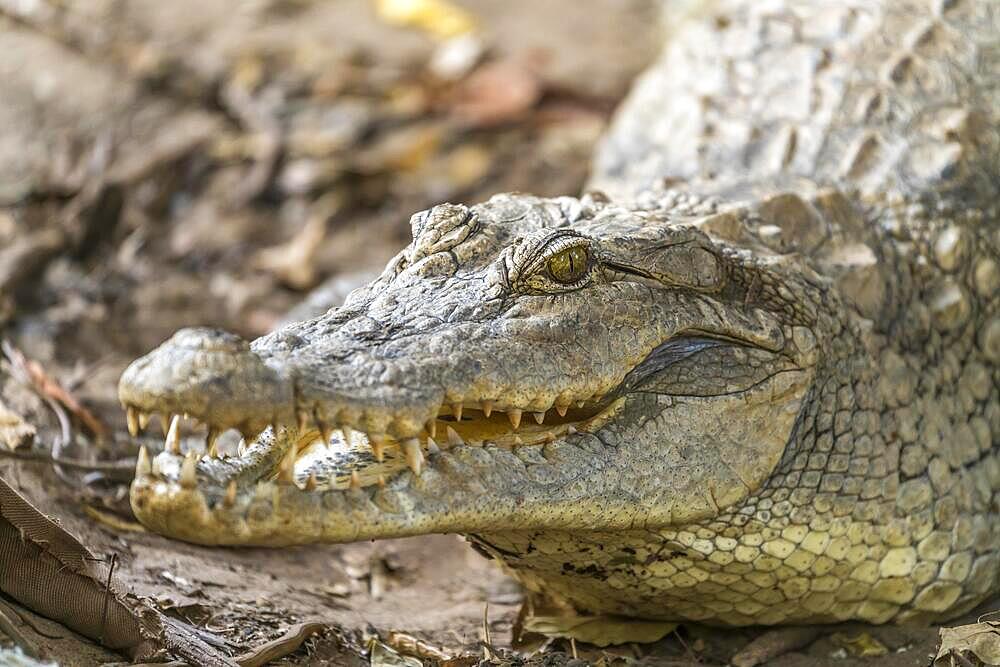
(569, 265)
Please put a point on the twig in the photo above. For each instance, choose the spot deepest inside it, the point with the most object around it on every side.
(107, 595)
(240, 103)
(488, 652)
(65, 437)
(121, 465)
(112, 521)
(284, 645)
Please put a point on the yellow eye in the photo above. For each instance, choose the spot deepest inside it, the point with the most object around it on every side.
(570, 265)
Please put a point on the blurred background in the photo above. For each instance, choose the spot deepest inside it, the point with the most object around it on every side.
(209, 161)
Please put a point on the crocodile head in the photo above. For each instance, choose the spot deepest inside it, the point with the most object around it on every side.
(526, 363)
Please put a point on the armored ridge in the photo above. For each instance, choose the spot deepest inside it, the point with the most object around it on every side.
(754, 383)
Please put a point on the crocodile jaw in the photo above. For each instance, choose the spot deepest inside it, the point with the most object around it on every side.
(605, 480)
(464, 390)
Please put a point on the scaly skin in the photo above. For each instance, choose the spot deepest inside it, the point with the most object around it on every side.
(766, 368)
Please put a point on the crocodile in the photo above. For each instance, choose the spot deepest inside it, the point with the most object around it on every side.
(749, 376)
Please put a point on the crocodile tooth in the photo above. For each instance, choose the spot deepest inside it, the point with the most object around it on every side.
(539, 417)
(173, 441)
(381, 480)
(241, 448)
(211, 440)
(456, 410)
(454, 438)
(515, 418)
(432, 447)
(325, 430)
(248, 435)
(348, 435)
(562, 408)
(571, 429)
(311, 483)
(355, 480)
(286, 469)
(301, 419)
(143, 466)
(518, 441)
(377, 442)
(132, 418)
(189, 477)
(432, 427)
(487, 407)
(414, 457)
(580, 404)
(230, 498)
(144, 418)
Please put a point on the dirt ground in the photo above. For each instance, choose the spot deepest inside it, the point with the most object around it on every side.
(209, 162)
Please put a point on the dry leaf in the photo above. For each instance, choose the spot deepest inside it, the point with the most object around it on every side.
(439, 18)
(455, 58)
(468, 165)
(862, 646)
(976, 642)
(294, 262)
(14, 431)
(383, 656)
(497, 92)
(600, 630)
(410, 645)
(50, 388)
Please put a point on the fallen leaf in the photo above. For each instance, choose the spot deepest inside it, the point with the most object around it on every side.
(861, 646)
(495, 93)
(410, 645)
(467, 166)
(113, 522)
(14, 431)
(600, 630)
(404, 150)
(285, 645)
(774, 642)
(383, 656)
(49, 571)
(294, 262)
(978, 643)
(50, 388)
(439, 18)
(455, 58)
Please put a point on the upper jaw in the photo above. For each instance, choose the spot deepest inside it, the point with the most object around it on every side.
(413, 409)
(210, 375)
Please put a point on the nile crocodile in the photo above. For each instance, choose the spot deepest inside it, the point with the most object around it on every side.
(750, 377)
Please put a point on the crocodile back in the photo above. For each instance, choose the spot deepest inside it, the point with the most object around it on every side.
(890, 98)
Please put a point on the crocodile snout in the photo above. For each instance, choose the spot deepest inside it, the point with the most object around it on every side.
(211, 375)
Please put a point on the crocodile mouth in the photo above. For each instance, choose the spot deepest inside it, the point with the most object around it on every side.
(326, 456)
